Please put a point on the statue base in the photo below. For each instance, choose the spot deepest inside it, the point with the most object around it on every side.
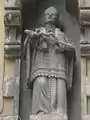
(48, 117)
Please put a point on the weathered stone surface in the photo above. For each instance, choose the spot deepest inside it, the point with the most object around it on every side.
(1, 53)
(85, 48)
(12, 3)
(12, 17)
(48, 117)
(84, 3)
(11, 84)
(86, 117)
(10, 87)
(12, 21)
(12, 50)
(85, 16)
(9, 118)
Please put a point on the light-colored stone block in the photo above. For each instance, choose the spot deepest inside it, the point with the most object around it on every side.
(86, 117)
(48, 117)
(85, 16)
(12, 17)
(12, 3)
(84, 3)
(9, 118)
(87, 90)
(1, 51)
(8, 107)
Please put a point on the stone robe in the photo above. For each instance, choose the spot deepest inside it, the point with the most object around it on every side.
(51, 73)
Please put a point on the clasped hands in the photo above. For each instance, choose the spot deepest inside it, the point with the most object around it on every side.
(38, 33)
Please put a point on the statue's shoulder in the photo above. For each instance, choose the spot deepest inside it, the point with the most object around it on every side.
(59, 33)
(58, 30)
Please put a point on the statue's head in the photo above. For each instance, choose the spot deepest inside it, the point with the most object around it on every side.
(50, 15)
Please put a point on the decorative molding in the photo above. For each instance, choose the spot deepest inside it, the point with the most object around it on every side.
(85, 48)
(12, 17)
(12, 50)
(12, 3)
(84, 3)
(12, 21)
(85, 17)
(85, 24)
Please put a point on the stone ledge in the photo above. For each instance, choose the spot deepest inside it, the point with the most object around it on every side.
(85, 16)
(12, 3)
(10, 118)
(86, 117)
(48, 117)
(84, 3)
(85, 48)
(12, 50)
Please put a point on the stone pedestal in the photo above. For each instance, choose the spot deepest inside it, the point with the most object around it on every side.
(48, 117)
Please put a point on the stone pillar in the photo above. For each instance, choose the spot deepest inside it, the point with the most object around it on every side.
(10, 66)
(85, 58)
(1, 53)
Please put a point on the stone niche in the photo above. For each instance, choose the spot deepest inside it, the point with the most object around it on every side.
(32, 18)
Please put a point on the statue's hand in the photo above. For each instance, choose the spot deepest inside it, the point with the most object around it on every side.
(70, 51)
(70, 47)
(44, 36)
(32, 34)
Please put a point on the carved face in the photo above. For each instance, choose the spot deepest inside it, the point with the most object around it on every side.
(50, 15)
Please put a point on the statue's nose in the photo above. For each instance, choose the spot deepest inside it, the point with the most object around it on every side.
(50, 15)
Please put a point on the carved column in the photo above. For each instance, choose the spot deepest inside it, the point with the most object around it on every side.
(12, 21)
(1, 53)
(85, 57)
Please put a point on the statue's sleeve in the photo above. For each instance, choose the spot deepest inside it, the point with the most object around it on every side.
(70, 70)
(71, 58)
(28, 55)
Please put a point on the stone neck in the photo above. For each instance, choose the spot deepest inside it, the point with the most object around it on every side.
(50, 26)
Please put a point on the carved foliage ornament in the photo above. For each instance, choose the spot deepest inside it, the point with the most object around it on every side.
(12, 18)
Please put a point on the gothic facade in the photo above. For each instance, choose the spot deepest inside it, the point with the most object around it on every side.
(10, 42)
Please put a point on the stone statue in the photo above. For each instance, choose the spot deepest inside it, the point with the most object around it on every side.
(51, 64)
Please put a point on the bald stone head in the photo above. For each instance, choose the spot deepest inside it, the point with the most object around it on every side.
(50, 15)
